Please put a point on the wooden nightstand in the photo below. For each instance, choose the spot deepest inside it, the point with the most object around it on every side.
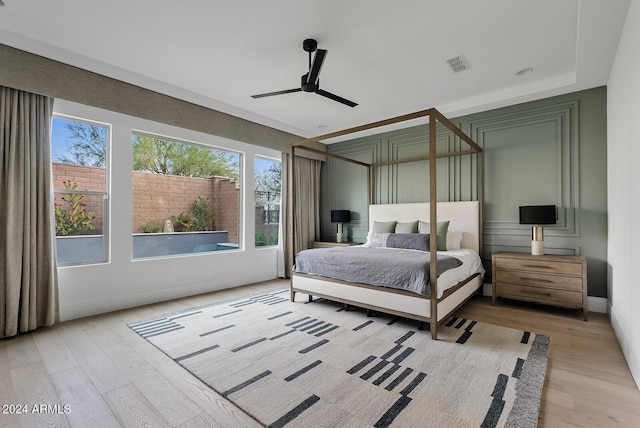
(321, 244)
(552, 280)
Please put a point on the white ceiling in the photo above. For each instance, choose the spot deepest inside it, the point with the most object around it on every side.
(387, 56)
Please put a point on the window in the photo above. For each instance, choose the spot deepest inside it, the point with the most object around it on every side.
(268, 173)
(186, 197)
(79, 165)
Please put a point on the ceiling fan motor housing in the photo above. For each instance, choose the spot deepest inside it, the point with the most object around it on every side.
(308, 86)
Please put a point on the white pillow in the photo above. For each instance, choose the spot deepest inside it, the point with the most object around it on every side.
(454, 239)
(376, 239)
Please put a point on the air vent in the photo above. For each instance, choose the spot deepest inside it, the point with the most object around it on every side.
(458, 64)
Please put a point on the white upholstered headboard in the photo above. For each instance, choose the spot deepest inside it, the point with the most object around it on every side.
(462, 216)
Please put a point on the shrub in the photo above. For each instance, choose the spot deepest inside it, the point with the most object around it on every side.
(182, 222)
(266, 238)
(70, 215)
(202, 214)
(199, 217)
(151, 226)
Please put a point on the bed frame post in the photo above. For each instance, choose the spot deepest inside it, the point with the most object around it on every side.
(292, 200)
(433, 222)
(480, 159)
(369, 187)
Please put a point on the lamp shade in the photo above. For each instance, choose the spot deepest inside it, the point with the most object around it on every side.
(538, 214)
(340, 216)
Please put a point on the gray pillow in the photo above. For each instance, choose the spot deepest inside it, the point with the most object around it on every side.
(409, 241)
(442, 227)
(410, 227)
(384, 226)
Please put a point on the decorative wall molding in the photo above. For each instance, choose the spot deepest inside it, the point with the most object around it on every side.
(565, 119)
(408, 146)
(369, 151)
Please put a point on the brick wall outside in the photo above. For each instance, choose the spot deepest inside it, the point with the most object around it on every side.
(156, 197)
(226, 206)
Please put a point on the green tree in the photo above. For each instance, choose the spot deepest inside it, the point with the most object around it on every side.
(162, 156)
(86, 145)
(152, 154)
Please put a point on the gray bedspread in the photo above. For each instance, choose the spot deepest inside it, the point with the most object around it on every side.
(389, 267)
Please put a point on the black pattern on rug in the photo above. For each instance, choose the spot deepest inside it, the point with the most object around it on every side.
(295, 364)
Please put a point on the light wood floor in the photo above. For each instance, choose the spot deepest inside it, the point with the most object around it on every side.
(108, 376)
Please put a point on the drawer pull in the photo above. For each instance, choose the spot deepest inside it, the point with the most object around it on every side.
(539, 266)
(537, 293)
(538, 280)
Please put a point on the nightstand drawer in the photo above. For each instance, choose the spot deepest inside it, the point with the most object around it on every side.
(542, 266)
(539, 294)
(540, 279)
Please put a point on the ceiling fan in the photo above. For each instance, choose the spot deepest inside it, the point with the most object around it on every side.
(310, 81)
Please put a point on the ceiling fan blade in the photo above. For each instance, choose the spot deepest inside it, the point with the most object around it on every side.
(318, 59)
(336, 98)
(269, 94)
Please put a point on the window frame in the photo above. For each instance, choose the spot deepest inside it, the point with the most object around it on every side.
(106, 197)
(240, 180)
(279, 204)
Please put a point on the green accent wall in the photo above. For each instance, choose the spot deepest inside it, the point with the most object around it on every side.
(550, 151)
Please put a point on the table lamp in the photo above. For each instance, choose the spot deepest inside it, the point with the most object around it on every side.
(537, 215)
(340, 217)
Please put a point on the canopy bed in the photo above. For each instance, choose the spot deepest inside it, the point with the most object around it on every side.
(465, 218)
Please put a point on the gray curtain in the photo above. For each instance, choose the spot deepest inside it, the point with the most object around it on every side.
(307, 209)
(306, 206)
(28, 281)
(284, 232)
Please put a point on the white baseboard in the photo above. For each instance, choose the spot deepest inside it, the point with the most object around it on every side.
(486, 289)
(595, 304)
(633, 359)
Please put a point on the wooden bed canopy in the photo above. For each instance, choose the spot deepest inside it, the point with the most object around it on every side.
(434, 117)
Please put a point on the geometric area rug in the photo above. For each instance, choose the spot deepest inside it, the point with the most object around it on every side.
(317, 365)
